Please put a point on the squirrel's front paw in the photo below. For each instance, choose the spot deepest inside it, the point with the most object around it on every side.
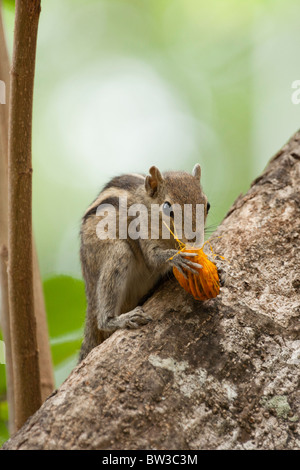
(181, 262)
(133, 319)
(136, 318)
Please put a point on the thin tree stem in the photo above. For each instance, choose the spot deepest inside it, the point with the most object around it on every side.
(45, 361)
(20, 272)
(4, 306)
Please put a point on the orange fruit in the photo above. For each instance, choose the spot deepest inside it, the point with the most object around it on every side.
(204, 285)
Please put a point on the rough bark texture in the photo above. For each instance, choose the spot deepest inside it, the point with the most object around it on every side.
(220, 374)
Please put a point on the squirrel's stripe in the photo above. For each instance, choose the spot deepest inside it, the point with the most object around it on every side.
(127, 182)
(114, 201)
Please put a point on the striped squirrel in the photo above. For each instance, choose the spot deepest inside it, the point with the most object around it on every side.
(118, 273)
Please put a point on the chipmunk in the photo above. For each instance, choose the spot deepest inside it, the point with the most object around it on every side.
(119, 272)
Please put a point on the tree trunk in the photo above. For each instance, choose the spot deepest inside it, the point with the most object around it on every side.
(45, 361)
(27, 393)
(4, 305)
(220, 374)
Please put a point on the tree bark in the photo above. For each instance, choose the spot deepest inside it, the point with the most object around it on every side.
(4, 304)
(45, 361)
(220, 374)
(27, 393)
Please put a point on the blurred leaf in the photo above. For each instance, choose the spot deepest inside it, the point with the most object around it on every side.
(2, 380)
(65, 347)
(64, 369)
(4, 434)
(9, 4)
(65, 306)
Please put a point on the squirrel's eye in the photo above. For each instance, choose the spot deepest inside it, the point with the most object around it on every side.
(167, 209)
(207, 206)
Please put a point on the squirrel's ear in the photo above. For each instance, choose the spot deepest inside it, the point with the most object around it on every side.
(197, 172)
(152, 182)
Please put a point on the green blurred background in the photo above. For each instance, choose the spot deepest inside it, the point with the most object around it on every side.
(125, 84)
